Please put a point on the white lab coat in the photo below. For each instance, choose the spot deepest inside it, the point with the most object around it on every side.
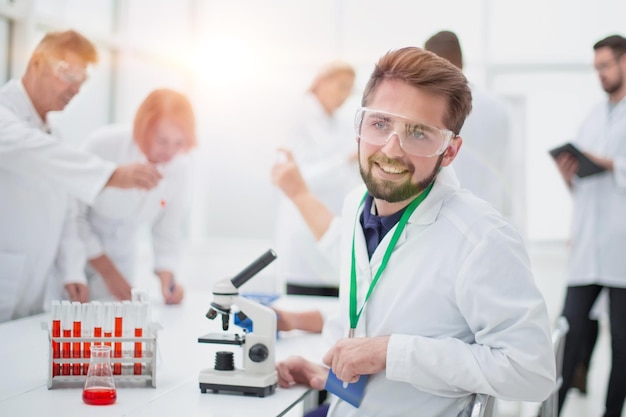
(483, 163)
(322, 146)
(459, 300)
(112, 224)
(39, 178)
(598, 225)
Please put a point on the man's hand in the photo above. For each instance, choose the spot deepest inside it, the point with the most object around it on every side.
(567, 165)
(287, 176)
(136, 175)
(353, 357)
(171, 290)
(77, 292)
(297, 370)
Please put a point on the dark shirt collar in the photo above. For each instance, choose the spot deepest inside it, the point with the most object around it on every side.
(376, 227)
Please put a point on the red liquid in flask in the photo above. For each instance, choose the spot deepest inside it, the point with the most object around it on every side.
(99, 396)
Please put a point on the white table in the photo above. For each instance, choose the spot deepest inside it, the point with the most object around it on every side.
(24, 363)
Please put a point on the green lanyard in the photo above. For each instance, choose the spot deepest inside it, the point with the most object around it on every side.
(354, 315)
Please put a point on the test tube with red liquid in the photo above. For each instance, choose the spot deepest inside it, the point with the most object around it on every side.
(87, 315)
(66, 325)
(140, 318)
(98, 320)
(76, 333)
(107, 325)
(118, 329)
(55, 309)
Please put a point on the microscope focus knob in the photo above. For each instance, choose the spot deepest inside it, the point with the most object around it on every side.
(258, 353)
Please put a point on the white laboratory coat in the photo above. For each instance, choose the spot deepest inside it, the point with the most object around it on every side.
(483, 163)
(459, 300)
(39, 178)
(598, 225)
(322, 146)
(113, 224)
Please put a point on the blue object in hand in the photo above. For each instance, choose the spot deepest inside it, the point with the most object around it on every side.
(352, 393)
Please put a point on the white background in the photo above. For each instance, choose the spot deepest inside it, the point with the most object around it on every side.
(243, 62)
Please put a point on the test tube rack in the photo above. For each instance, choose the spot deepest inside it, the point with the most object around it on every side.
(127, 360)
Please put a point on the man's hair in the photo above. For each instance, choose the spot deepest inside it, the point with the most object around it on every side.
(330, 70)
(617, 44)
(164, 103)
(446, 44)
(427, 71)
(56, 43)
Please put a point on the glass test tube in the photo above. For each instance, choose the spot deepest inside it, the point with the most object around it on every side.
(66, 325)
(55, 309)
(87, 315)
(118, 329)
(140, 318)
(76, 333)
(98, 320)
(107, 325)
(127, 333)
(139, 294)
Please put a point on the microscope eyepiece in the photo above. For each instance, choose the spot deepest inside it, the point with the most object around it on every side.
(255, 267)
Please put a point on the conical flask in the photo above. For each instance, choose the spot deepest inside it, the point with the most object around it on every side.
(99, 386)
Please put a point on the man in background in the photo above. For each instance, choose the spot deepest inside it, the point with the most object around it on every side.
(40, 178)
(484, 164)
(598, 226)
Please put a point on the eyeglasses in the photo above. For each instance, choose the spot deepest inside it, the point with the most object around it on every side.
(67, 72)
(416, 138)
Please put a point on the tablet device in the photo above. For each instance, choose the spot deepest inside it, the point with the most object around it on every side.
(586, 166)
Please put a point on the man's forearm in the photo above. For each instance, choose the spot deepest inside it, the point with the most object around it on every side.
(104, 266)
(316, 215)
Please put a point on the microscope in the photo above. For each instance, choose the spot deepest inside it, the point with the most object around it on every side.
(258, 376)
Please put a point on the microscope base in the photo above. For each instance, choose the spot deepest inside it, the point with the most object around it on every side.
(238, 381)
(256, 391)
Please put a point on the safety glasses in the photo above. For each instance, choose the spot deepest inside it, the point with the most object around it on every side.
(416, 138)
(67, 72)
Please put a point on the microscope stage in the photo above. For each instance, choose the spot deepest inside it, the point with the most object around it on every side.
(223, 338)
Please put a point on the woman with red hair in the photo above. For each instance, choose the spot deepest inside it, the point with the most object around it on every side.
(162, 134)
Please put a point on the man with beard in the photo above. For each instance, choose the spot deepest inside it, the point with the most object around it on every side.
(598, 227)
(437, 299)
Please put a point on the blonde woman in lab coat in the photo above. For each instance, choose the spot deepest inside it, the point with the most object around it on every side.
(321, 143)
(162, 134)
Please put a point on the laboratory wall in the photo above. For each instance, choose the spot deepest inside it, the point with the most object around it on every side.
(243, 63)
